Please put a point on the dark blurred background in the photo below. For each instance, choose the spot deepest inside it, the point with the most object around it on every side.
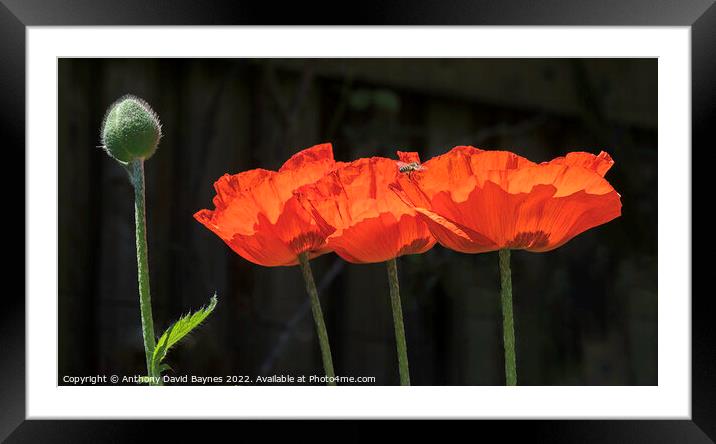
(585, 313)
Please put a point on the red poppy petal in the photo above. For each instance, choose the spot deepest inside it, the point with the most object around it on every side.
(316, 156)
(296, 228)
(213, 220)
(409, 192)
(257, 215)
(528, 231)
(408, 156)
(381, 238)
(600, 164)
(485, 161)
(477, 200)
(448, 172)
(263, 249)
(565, 178)
(455, 236)
(354, 192)
(566, 217)
(205, 218)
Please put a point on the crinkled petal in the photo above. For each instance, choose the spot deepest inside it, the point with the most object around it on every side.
(535, 221)
(297, 229)
(476, 200)
(271, 244)
(408, 156)
(381, 238)
(263, 248)
(563, 218)
(565, 178)
(366, 220)
(451, 171)
(462, 168)
(600, 164)
(488, 210)
(451, 234)
(318, 157)
(257, 215)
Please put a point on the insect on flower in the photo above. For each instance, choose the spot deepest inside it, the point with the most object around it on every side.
(362, 219)
(408, 168)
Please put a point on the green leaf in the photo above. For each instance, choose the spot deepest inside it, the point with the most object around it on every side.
(177, 331)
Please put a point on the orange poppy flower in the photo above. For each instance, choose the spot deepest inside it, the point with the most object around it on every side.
(366, 222)
(476, 201)
(257, 215)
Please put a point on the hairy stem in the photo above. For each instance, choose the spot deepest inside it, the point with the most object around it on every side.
(318, 318)
(136, 171)
(401, 346)
(508, 324)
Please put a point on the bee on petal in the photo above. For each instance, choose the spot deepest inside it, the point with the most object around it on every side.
(408, 168)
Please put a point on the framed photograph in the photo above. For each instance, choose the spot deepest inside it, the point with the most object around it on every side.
(477, 211)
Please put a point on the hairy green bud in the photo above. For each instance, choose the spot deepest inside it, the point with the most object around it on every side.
(131, 130)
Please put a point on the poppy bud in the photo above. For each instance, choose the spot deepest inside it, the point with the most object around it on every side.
(131, 130)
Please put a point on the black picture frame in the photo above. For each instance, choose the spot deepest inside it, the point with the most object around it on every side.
(16, 15)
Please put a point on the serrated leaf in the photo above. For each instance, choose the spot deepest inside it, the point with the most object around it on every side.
(177, 331)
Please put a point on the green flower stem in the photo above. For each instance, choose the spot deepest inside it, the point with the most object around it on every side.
(136, 171)
(508, 323)
(318, 318)
(401, 346)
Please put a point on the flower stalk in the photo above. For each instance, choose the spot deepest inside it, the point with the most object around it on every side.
(130, 135)
(508, 324)
(136, 173)
(402, 348)
(318, 318)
